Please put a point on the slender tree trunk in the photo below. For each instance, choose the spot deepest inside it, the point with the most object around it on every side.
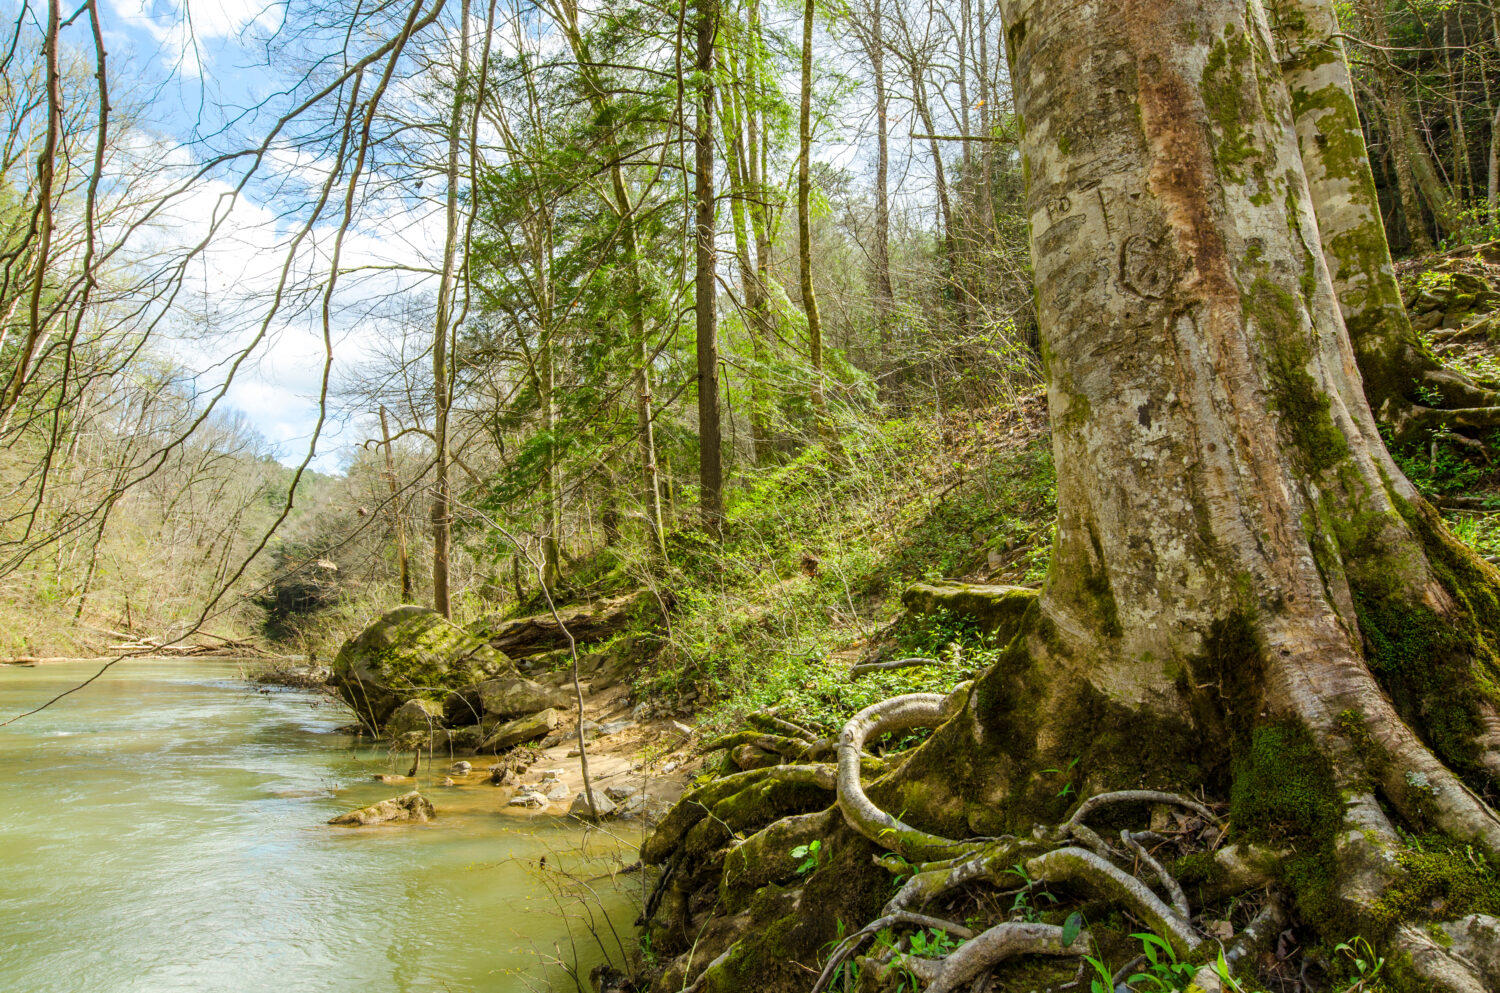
(710, 454)
(1416, 178)
(442, 519)
(940, 181)
(1398, 370)
(396, 525)
(804, 223)
(755, 171)
(885, 295)
(634, 285)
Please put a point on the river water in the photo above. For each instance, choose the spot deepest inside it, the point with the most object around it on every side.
(164, 830)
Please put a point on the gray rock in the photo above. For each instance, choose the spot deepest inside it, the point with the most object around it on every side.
(520, 730)
(447, 781)
(409, 808)
(414, 716)
(619, 794)
(513, 696)
(407, 651)
(386, 777)
(558, 792)
(462, 768)
(603, 806)
(528, 797)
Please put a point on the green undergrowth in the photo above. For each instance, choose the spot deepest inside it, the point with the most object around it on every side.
(815, 556)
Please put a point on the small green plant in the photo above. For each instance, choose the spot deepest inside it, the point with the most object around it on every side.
(810, 854)
(1162, 972)
(1022, 906)
(1362, 957)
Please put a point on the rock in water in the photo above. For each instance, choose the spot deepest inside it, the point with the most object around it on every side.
(407, 651)
(409, 808)
(527, 797)
(603, 806)
(520, 730)
(462, 768)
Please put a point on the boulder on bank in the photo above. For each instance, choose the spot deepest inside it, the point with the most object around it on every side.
(406, 652)
(415, 716)
(523, 637)
(520, 731)
(409, 808)
(996, 609)
(514, 696)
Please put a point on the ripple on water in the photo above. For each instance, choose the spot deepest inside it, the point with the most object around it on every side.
(163, 831)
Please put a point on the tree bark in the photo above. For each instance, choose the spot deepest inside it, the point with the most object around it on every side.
(396, 525)
(442, 521)
(1399, 371)
(710, 455)
(804, 223)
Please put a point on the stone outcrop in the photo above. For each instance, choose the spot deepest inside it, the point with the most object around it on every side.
(406, 653)
(995, 609)
(415, 716)
(515, 696)
(523, 637)
(520, 731)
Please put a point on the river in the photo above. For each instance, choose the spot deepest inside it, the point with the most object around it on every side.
(164, 830)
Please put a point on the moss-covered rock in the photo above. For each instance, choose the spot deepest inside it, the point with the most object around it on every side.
(520, 731)
(406, 653)
(996, 609)
(415, 717)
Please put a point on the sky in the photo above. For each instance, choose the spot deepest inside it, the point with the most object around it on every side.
(193, 69)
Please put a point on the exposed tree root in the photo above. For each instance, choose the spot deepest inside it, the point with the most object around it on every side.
(851, 944)
(1083, 868)
(902, 713)
(1461, 956)
(865, 668)
(987, 950)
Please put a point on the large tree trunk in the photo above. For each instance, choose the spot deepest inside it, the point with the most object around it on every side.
(1246, 596)
(710, 456)
(1231, 532)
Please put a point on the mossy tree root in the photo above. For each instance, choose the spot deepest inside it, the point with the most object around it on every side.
(901, 713)
(987, 950)
(1415, 422)
(1075, 828)
(1247, 946)
(851, 944)
(1081, 867)
(1461, 956)
(992, 864)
